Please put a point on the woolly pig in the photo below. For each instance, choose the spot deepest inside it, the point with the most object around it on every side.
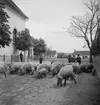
(65, 73)
(26, 68)
(15, 67)
(56, 70)
(83, 67)
(89, 68)
(9, 65)
(43, 65)
(5, 65)
(2, 70)
(42, 73)
(76, 68)
(56, 66)
(49, 66)
(33, 68)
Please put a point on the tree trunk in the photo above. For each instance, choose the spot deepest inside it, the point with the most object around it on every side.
(90, 59)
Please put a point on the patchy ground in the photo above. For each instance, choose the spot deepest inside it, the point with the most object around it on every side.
(26, 90)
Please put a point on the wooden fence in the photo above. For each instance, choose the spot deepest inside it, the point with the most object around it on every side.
(14, 58)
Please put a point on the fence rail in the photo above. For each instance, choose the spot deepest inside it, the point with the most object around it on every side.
(14, 58)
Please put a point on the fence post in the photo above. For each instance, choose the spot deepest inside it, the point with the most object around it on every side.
(27, 58)
(4, 58)
(11, 58)
(17, 58)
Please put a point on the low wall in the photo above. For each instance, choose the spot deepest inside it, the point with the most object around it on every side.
(96, 62)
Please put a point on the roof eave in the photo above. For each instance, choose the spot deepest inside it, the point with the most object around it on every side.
(17, 8)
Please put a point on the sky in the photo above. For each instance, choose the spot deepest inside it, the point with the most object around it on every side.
(47, 19)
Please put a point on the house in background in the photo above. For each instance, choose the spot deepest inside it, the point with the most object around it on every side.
(51, 54)
(83, 54)
(16, 22)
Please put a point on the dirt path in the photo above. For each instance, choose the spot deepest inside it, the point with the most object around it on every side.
(23, 90)
(86, 92)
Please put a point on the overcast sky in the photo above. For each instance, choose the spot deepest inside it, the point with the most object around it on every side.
(46, 19)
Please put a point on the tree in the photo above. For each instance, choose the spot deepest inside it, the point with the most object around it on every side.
(61, 55)
(86, 26)
(23, 40)
(95, 48)
(5, 39)
(39, 46)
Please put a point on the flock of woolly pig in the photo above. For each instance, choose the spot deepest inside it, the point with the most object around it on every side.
(60, 71)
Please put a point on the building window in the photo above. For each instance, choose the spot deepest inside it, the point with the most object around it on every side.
(14, 35)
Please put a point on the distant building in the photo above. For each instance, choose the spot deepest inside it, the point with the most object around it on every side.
(51, 54)
(62, 55)
(83, 54)
(16, 22)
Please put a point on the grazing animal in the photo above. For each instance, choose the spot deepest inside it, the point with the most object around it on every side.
(56, 66)
(25, 68)
(15, 68)
(76, 67)
(49, 66)
(43, 65)
(65, 73)
(42, 73)
(5, 64)
(89, 68)
(2, 70)
(33, 68)
(9, 65)
(83, 67)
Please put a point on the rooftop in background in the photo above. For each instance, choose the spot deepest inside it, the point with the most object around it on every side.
(13, 5)
(64, 53)
(51, 52)
(81, 52)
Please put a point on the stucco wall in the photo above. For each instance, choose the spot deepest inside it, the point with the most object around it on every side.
(15, 21)
(96, 62)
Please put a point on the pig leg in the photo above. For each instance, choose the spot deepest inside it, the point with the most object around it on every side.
(59, 82)
(5, 75)
(74, 80)
(65, 82)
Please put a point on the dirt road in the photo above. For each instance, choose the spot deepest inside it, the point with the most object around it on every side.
(23, 90)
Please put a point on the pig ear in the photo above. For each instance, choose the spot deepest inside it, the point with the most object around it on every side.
(56, 76)
(60, 77)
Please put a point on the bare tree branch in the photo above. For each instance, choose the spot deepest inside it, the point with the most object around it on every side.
(87, 26)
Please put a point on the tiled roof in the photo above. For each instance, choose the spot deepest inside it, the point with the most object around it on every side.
(81, 52)
(14, 6)
(51, 52)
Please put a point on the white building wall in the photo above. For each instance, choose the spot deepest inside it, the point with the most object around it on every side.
(15, 21)
(55, 55)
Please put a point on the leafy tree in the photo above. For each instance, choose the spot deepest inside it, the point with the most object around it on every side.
(39, 46)
(62, 55)
(86, 27)
(23, 40)
(4, 26)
